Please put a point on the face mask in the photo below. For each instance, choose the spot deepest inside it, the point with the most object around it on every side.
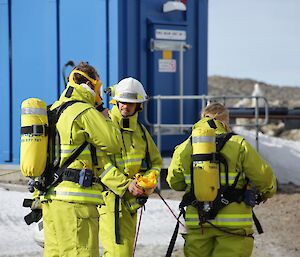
(88, 89)
(95, 82)
(97, 87)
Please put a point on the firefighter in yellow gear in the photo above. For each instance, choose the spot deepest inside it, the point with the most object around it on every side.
(118, 216)
(229, 234)
(70, 215)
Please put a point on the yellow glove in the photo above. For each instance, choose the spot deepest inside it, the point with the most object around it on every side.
(147, 182)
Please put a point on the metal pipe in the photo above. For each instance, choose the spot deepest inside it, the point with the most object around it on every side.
(10, 69)
(181, 83)
(256, 122)
(159, 124)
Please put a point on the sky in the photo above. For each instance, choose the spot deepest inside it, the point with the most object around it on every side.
(17, 239)
(256, 39)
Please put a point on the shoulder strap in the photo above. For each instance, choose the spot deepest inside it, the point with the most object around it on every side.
(60, 109)
(58, 172)
(222, 139)
(148, 159)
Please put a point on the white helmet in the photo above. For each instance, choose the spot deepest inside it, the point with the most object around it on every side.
(130, 90)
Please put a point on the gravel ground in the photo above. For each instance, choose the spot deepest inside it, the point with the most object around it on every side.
(280, 219)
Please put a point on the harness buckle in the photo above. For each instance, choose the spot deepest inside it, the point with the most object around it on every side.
(86, 178)
(224, 201)
(38, 130)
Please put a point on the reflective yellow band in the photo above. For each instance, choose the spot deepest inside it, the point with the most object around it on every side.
(130, 156)
(108, 167)
(222, 220)
(70, 151)
(231, 177)
(187, 179)
(67, 150)
(75, 195)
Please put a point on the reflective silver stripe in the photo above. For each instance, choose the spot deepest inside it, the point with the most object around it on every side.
(133, 160)
(120, 162)
(107, 170)
(231, 177)
(129, 95)
(226, 220)
(68, 151)
(222, 219)
(203, 139)
(38, 111)
(64, 193)
(187, 179)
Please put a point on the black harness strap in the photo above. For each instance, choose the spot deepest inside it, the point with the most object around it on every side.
(257, 223)
(213, 157)
(174, 236)
(94, 155)
(53, 173)
(58, 174)
(212, 123)
(148, 159)
(35, 130)
(221, 140)
(69, 92)
(117, 221)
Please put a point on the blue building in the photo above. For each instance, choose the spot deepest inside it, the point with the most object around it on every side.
(162, 43)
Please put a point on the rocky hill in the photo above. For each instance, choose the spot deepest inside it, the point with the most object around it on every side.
(282, 96)
(277, 96)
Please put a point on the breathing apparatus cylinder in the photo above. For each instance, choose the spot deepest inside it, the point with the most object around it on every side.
(34, 138)
(205, 172)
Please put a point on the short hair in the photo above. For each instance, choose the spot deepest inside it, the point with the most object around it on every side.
(86, 68)
(215, 110)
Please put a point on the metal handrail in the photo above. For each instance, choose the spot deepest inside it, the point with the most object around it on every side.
(205, 99)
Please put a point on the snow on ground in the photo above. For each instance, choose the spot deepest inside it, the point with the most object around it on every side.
(282, 154)
(16, 238)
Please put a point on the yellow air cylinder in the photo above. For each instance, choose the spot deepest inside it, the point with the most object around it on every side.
(34, 139)
(205, 173)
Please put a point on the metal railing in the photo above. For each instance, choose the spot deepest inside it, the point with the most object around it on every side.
(180, 128)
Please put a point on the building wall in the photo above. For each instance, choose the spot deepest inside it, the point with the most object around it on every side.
(38, 37)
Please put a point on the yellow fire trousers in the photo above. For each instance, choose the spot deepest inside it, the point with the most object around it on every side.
(211, 242)
(127, 229)
(70, 229)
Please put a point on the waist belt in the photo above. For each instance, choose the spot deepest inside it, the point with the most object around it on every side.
(73, 175)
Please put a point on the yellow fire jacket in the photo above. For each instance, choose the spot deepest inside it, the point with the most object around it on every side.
(241, 158)
(121, 168)
(81, 122)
